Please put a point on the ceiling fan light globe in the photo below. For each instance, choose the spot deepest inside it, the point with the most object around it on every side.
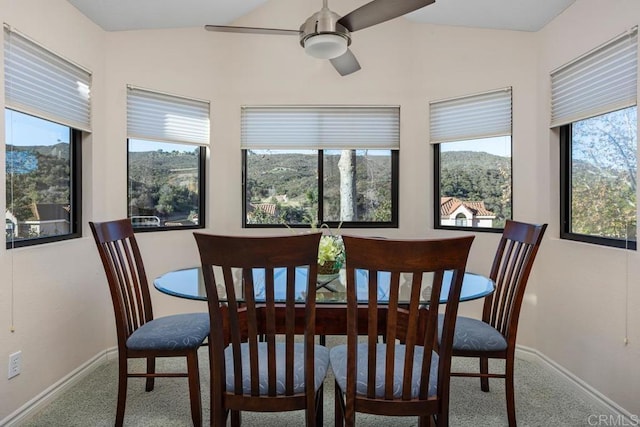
(326, 46)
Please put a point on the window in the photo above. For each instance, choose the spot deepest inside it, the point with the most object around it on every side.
(42, 180)
(165, 185)
(331, 165)
(594, 107)
(47, 102)
(168, 136)
(599, 166)
(471, 138)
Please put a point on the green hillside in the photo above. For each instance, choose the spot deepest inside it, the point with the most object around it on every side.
(478, 176)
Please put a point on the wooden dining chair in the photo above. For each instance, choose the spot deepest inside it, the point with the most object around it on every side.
(258, 363)
(139, 334)
(494, 337)
(402, 376)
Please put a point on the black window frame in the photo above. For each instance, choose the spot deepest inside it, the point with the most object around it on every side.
(566, 137)
(395, 189)
(436, 197)
(201, 195)
(75, 194)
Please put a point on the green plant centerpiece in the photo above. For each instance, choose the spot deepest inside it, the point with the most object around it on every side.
(330, 250)
(330, 254)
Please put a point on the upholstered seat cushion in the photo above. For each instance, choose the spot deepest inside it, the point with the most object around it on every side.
(338, 358)
(321, 366)
(475, 335)
(176, 332)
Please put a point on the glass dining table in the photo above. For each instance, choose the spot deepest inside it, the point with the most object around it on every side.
(330, 291)
(189, 283)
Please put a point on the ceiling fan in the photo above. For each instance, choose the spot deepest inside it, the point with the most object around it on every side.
(327, 35)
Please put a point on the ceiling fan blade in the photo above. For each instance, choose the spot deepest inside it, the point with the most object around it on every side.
(346, 63)
(251, 30)
(379, 11)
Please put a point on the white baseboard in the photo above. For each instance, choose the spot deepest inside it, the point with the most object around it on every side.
(33, 406)
(609, 407)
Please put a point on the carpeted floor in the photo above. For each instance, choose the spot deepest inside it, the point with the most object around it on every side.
(542, 399)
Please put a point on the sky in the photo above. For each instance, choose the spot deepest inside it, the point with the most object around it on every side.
(25, 130)
(139, 145)
(499, 146)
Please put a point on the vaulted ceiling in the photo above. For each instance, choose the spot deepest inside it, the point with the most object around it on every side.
(117, 15)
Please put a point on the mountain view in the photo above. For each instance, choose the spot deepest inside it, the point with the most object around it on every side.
(36, 174)
(164, 184)
(478, 176)
(290, 182)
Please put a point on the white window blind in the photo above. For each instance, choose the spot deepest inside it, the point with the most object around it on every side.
(320, 127)
(43, 84)
(596, 83)
(162, 117)
(477, 116)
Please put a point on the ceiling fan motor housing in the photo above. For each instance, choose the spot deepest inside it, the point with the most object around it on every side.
(323, 22)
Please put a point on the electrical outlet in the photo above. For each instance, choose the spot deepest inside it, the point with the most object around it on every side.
(15, 364)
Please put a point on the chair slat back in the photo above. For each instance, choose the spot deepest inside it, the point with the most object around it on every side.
(409, 323)
(125, 272)
(511, 267)
(251, 270)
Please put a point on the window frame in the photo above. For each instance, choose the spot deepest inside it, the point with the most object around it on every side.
(75, 195)
(566, 163)
(437, 196)
(395, 189)
(201, 193)
(467, 118)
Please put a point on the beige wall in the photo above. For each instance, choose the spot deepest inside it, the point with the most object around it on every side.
(587, 296)
(62, 311)
(53, 295)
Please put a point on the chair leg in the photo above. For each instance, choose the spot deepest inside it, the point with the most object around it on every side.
(319, 406)
(236, 419)
(349, 410)
(442, 419)
(484, 369)
(219, 417)
(194, 388)
(151, 369)
(338, 407)
(311, 410)
(425, 421)
(510, 391)
(217, 411)
(122, 389)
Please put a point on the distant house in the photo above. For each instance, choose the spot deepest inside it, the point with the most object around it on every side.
(11, 224)
(466, 213)
(50, 219)
(270, 209)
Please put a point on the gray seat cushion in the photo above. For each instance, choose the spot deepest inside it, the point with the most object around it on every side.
(321, 367)
(475, 335)
(338, 357)
(176, 332)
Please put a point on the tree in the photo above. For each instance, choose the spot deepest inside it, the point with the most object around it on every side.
(604, 167)
(347, 167)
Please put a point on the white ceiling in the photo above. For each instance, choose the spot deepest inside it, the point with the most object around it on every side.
(117, 15)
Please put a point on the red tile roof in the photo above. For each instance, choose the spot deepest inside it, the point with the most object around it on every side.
(269, 208)
(448, 205)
